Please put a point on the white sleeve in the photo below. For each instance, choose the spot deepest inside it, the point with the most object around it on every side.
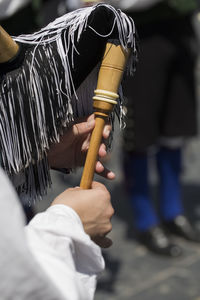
(66, 253)
(131, 5)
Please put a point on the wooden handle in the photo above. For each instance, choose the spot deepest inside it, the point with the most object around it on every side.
(109, 78)
(8, 47)
(89, 168)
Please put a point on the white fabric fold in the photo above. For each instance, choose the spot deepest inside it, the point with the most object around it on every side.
(50, 259)
(66, 253)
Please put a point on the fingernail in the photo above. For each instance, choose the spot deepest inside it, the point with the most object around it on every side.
(111, 175)
(105, 152)
(107, 132)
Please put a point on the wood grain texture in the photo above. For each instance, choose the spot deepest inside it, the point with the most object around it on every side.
(109, 78)
(8, 47)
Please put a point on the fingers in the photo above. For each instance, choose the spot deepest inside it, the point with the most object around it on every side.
(106, 131)
(98, 185)
(102, 151)
(104, 172)
(103, 242)
(100, 169)
(84, 125)
(87, 124)
(100, 239)
(95, 215)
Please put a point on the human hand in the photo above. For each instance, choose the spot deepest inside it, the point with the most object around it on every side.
(71, 151)
(94, 209)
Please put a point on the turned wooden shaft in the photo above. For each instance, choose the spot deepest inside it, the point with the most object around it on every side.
(92, 154)
(8, 47)
(112, 68)
(109, 78)
(96, 137)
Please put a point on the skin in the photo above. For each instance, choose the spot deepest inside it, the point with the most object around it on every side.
(73, 146)
(93, 206)
(94, 209)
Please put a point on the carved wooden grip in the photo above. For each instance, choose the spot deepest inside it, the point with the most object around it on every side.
(8, 47)
(109, 78)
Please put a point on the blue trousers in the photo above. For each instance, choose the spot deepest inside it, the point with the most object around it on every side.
(136, 172)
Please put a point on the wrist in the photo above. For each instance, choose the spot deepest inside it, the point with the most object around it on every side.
(63, 210)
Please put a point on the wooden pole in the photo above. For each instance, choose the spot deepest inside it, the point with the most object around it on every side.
(8, 47)
(109, 78)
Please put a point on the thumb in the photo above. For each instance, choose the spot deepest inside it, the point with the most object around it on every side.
(84, 127)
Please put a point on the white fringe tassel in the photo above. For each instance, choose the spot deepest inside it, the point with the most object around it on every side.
(17, 147)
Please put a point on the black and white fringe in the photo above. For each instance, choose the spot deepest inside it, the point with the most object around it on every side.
(24, 145)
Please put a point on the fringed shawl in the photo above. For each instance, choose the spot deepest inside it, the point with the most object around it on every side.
(50, 84)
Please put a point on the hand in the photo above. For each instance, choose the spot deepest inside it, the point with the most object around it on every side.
(71, 151)
(94, 209)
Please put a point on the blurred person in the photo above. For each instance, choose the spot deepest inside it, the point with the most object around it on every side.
(70, 5)
(54, 256)
(161, 116)
(51, 9)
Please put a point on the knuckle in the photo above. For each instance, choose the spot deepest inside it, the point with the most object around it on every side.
(109, 228)
(104, 194)
(112, 211)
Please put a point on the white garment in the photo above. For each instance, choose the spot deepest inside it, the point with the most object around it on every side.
(68, 256)
(9, 7)
(130, 5)
(50, 259)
